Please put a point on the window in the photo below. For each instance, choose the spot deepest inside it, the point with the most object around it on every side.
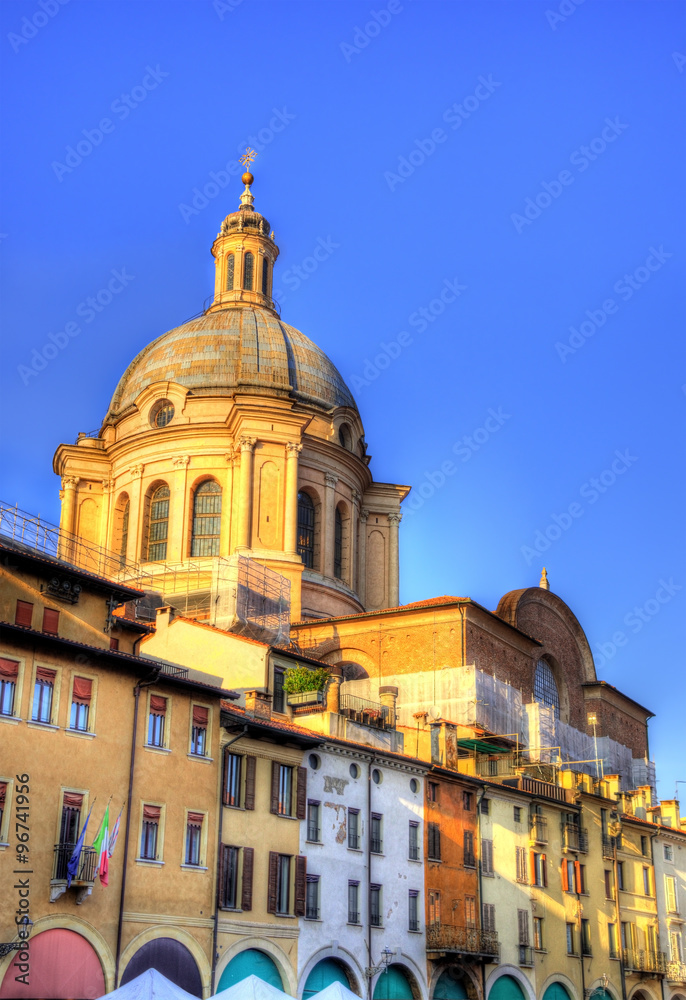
(122, 521)
(70, 822)
(414, 786)
(353, 902)
(620, 875)
(670, 894)
(470, 911)
(162, 413)
(538, 869)
(232, 787)
(377, 776)
(413, 853)
(434, 907)
(523, 927)
(338, 545)
(306, 529)
(485, 807)
(645, 847)
(487, 857)
(156, 720)
(612, 940)
(279, 699)
(283, 883)
(312, 897)
(3, 800)
(51, 621)
(413, 910)
(354, 829)
(538, 933)
(581, 879)
(114, 643)
(432, 791)
(43, 695)
(200, 718)
(668, 852)
(315, 761)
(375, 905)
(517, 814)
(609, 892)
(9, 672)
(313, 821)
(354, 771)
(82, 689)
(586, 937)
(149, 832)
(434, 844)
(469, 858)
(467, 799)
(159, 524)
(229, 877)
(488, 917)
(230, 271)
(545, 687)
(376, 846)
(248, 269)
(265, 276)
(646, 882)
(23, 614)
(193, 837)
(568, 876)
(207, 509)
(570, 940)
(285, 790)
(675, 948)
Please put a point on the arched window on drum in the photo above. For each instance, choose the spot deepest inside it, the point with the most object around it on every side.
(207, 510)
(545, 687)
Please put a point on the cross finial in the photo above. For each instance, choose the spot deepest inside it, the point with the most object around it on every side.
(247, 157)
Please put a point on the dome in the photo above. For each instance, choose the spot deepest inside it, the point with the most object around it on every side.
(245, 346)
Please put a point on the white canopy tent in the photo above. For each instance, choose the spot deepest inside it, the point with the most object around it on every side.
(150, 985)
(335, 991)
(253, 988)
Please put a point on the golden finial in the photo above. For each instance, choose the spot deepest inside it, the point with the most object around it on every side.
(544, 580)
(246, 159)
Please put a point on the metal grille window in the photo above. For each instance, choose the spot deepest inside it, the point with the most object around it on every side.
(233, 779)
(413, 910)
(338, 545)
(434, 838)
(376, 842)
(313, 821)
(375, 905)
(354, 829)
(230, 270)
(162, 413)
(248, 269)
(159, 524)
(353, 902)
(229, 877)
(414, 842)
(545, 687)
(283, 883)
(265, 276)
(207, 509)
(312, 897)
(306, 529)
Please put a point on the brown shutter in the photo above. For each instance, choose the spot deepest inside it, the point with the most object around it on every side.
(114, 643)
(72, 800)
(274, 805)
(246, 888)
(250, 763)
(301, 800)
(272, 881)
(225, 794)
(23, 614)
(300, 882)
(195, 819)
(51, 620)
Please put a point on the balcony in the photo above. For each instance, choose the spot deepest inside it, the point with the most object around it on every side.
(366, 713)
(676, 972)
(608, 848)
(452, 939)
(526, 955)
(539, 829)
(85, 875)
(574, 839)
(644, 961)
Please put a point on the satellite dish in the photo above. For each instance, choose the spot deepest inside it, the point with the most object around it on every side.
(434, 713)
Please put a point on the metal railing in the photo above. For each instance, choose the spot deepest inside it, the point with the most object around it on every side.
(375, 919)
(86, 868)
(462, 940)
(544, 789)
(539, 829)
(469, 860)
(676, 972)
(526, 954)
(574, 838)
(414, 852)
(170, 669)
(353, 917)
(413, 925)
(376, 845)
(644, 961)
(608, 848)
(87, 434)
(368, 713)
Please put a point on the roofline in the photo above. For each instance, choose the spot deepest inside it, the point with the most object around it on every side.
(103, 582)
(611, 687)
(244, 638)
(114, 657)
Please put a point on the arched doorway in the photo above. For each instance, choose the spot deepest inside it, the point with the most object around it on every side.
(250, 962)
(325, 973)
(393, 984)
(62, 964)
(556, 991)
(506, 988)
(450, 986)
(169, 957)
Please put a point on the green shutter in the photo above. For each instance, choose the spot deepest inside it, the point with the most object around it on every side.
(250, 963)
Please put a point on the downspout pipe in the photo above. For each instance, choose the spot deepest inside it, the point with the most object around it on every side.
(120, 923)
(370, 764)
(480, 905)
(222, 779)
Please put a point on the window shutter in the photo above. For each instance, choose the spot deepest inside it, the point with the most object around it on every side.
(301, 794)
(487, 857)
(565, 877)
(274, 804)
(523, 927)
(250, 763)
(544, 869)
(51, 620)
(9, 669)
(158, 705)
(82, 691)
(223, 852)
(577, 877)
(200, 715)
(225, 769)
(152, 813)
(300, 883)
(23, 613)
(272, 881)
(246, 888)
(533, 869)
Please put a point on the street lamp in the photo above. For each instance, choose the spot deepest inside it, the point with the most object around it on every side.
(386, 956)
(5, 949)
(599, 990)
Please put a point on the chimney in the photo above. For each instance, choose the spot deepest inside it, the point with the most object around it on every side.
(333, 691)
(258, 704)
(388, 696)
(163, 616)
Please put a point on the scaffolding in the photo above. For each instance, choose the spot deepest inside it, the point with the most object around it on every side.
(250, 599)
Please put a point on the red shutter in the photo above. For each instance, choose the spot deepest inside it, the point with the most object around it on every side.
(24, 613)
(301, 794)
(158, 705)
(577, 876)
(272, 881)
(246, 888)
(43, 674)
(195, 819)
(51, 620)
(250, 763)
(81, 692)
(274, 804)
(9, 669)
(152, 813)
(114, 643)
(565, 878)
(544, 869)
(3, 793)
(200, 716)
(532, 862)
(72, 800)
(300, 882)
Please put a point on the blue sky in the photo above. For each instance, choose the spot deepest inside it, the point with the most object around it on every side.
(523, 160)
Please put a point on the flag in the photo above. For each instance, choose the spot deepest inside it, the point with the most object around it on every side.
(113, 836)
(100, 844)
(73, 863)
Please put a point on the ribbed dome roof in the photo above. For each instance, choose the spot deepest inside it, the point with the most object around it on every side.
(242, 346)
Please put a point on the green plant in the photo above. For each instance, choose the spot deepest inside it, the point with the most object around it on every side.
(299, 679)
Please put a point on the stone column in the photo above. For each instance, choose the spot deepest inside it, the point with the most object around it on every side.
(67, 518)
(352, 541)
(362, 557)
(105, 509)
(246, 445)
(228, 528)
(333, 691)
(290, 534)
(393, 569)
(178, 546)
(134, 546)
(328, 524)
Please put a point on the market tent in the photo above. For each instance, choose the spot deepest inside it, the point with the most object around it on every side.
(335, 991)
(150, 985)
(252, 988)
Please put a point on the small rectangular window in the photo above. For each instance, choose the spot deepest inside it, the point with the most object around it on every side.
(51, 621)
(279, 699)
(375, 905)
(23, 614)
(313, 809)
(232, 790)
(228, 898)
(485, 807)
(353, 902)
(517, 814)
(9, 672)
(312, 897)
(570, 940)
(646, 882)
(432, 791)
(434, 906)
(467, 801)
(194, 823)
(82, 689)
(413, 910)
(469, 856)
(283, 884)
(523, 927)
(645, 847)
(585, 936)
(470, 911)
(538, 933)
(670, 894)
(149, 832)
(376, 846)
(487, 857)
(620, 875)
(612, 940)
(43, 695)
(413, 853)
(285, 790)
(520, 858)
(434, 841)
(156, 720)
(200, 720)
(609, 894)
(354, 829)
(114, 643)
(668, 851)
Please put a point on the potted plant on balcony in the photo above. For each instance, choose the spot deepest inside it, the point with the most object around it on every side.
(304, 686)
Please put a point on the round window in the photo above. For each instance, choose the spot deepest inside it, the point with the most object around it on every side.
(377, 776)
(354, 771)
(162, 413)
(414, 785)
(315, 762)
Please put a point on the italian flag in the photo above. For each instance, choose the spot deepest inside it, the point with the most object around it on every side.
(100, 844)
